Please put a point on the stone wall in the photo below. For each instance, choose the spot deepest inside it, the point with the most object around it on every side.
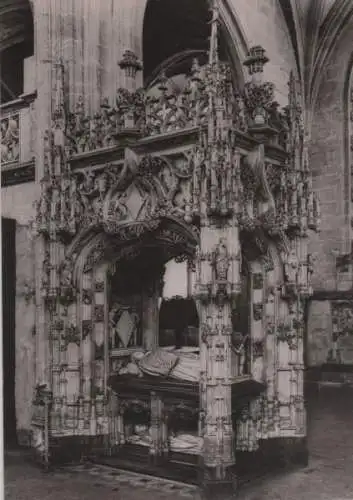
(25, 321)
(17, 202)
(263, 24)
(332, 183)
(103, 32)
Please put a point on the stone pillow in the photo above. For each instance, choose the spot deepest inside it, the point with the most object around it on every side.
(158, 363)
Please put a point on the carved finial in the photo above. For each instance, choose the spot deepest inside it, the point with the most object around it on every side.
(213, 53)
(130, 63)
(195, 70)
(163, 81)
(59, 104)
(256, 61)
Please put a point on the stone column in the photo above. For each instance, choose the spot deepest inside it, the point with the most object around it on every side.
(217, 282)
(257, 326)
(86, 329)
(271, 300)
(43, 118)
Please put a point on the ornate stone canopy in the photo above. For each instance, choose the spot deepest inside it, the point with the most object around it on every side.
(207, 172)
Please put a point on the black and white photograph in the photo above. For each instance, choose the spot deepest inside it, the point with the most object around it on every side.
(177, 249)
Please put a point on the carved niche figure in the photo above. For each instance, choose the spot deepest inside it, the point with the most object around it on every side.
(169, 182)
(291, 267)
(88, 186)
(221, 261)
(118, 207)
(66, 275)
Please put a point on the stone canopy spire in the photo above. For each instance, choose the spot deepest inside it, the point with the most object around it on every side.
(213, 52)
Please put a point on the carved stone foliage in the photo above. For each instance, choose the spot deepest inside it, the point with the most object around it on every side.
(10, 139)
(113, 196)
(270, 200)
(71, 336)
(258, 311)
(258, 348)
(286, 333)
(168, 110)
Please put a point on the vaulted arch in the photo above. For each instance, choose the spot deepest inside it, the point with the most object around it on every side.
(290, 13)
(330, 33)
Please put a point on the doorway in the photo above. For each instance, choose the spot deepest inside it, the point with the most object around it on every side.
(8, 329)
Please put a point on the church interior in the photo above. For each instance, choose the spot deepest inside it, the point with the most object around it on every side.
(176, 230)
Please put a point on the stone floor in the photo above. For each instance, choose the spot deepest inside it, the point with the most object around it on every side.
(329, 475)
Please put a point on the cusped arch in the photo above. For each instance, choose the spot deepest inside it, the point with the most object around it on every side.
(90, 249)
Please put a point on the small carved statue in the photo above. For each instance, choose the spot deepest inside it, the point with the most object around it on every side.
(221, 261)
(291, 267)
(119, 208)
(88, 186)
(66, 274)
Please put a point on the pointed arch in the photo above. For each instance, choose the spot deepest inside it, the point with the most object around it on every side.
(185, 31)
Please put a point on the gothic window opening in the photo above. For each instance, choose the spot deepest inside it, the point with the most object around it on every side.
(178, 317)
(125, 307)
(178, 323)
(134, 289)
(16, 45)
(170, 46)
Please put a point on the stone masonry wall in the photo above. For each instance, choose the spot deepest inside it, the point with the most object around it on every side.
(103, 32)
(263, 23)
(331, 172)
(17, 203)
(25, 321)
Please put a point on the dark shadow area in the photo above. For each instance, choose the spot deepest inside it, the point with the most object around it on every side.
(8, 330)
(185, 32)
(17, 44)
